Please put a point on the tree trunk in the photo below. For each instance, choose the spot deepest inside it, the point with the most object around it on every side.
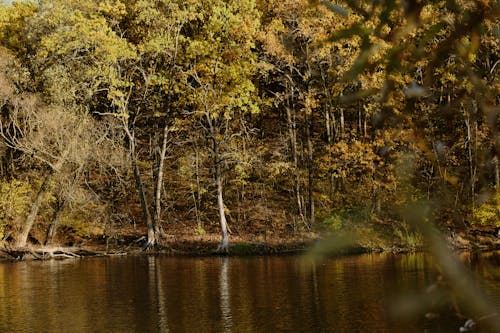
(6, 163)
(360, 127)
(223, 247)
(214, 132)
(327, 125)
(365, 125)
(496, 172)
(196, 196)
(293, 147)
(470, 157)
(151, 237)
(51, 232)
(223, 223)
(330, 130)
(342, 124)
(35, 206)
(310, 169)
(159, 181)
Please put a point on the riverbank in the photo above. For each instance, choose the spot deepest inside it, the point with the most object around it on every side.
(251, 245)
(178, 245)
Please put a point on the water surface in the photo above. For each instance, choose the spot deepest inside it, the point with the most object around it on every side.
(260, 294)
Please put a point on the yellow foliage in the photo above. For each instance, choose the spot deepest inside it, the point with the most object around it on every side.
(12, 23)
(15, 199)
(488, 214)
(115, 9)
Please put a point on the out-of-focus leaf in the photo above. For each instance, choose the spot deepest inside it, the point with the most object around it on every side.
(460, 278)
(496, 31)
(389, 6)
(453, 6)
(393, 57)
(337, 244)
(351, 98)
(359, 65)
(414, 90)
(336, 8)
(354, 5)
(354, 30)
(431, 33)
(412, 305)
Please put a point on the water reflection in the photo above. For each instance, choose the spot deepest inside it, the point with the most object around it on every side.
(263, 294)
(158, 295)
(225, 302)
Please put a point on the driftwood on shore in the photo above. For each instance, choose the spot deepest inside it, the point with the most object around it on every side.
(45, 253)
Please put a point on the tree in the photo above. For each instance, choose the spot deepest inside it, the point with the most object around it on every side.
(58, 141)
(221, 68)
(74, 59)
(154, 28)
(84, 60)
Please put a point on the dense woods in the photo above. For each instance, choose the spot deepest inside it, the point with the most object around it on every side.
(246, 117)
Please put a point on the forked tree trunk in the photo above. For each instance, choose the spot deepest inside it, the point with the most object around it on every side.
(214, 132)
(22, 239)
(35, 206)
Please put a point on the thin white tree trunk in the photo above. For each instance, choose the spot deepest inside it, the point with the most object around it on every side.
(223, 247)
(159, 181)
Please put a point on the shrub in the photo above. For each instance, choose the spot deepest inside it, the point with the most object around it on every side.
(488, 213)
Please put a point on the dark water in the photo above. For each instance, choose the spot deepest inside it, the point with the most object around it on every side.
(263, 294)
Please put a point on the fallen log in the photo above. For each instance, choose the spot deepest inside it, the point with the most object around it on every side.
(46, 253)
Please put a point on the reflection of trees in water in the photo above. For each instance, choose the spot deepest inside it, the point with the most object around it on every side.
(225, 296)
(158, 294)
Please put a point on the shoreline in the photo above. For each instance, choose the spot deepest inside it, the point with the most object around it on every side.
(203, 246)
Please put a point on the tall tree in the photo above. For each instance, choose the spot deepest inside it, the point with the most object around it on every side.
(221, 67)
(155, 28)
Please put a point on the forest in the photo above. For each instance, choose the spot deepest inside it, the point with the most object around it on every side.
(248, 118)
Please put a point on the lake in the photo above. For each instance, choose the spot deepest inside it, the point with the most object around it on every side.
(361, 293)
